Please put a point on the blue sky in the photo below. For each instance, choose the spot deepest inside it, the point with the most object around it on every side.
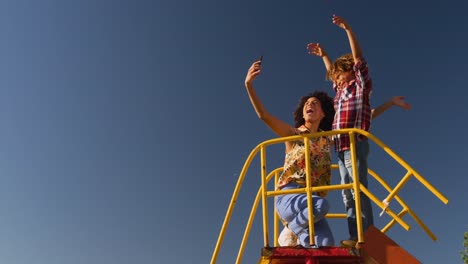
(125, 124)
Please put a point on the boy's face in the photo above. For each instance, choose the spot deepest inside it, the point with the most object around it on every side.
(343, 79)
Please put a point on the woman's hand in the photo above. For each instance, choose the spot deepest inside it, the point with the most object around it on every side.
(253, 72)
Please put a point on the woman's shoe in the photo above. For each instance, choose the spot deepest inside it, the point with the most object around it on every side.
(287, 238)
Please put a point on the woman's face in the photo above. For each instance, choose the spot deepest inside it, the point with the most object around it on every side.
(312, 110)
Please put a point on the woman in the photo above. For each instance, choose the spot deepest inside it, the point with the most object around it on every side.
(314, 113)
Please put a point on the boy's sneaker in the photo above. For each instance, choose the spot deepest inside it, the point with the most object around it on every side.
(349, 243)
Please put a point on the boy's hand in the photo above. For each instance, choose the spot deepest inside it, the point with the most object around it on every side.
(399, 101)
(314, 48)
(340, 22)
(253, 72)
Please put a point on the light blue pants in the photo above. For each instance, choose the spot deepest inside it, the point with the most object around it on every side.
(345, 166)
(292, 208)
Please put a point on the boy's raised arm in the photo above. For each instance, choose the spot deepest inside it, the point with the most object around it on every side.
(353, 43)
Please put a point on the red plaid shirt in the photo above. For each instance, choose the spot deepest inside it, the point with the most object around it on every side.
(352, 105)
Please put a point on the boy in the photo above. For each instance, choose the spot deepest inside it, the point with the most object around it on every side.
(352, 84)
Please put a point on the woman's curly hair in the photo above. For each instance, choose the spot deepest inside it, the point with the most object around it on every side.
(344, 63)
(327, 107)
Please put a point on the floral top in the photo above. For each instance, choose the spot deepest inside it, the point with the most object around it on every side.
(320, 162)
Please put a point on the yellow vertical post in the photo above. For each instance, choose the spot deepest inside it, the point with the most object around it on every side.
(308, 192)
(264, 196)
(275, 217)
(356, 186)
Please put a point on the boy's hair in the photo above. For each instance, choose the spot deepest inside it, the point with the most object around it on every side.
(344, 63)
(327, 107)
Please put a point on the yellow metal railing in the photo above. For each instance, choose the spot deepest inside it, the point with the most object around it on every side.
(264, 194)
